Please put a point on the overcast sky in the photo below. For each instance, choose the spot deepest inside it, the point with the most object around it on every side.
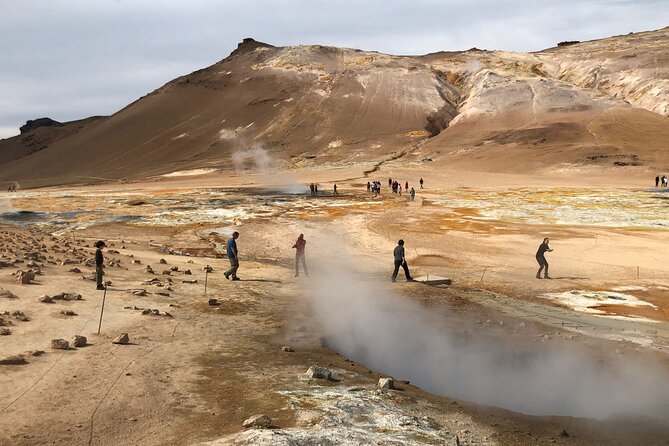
(69, 59)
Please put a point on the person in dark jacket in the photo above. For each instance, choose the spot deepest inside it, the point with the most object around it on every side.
(400, 260)
(99, 264)
(542, 260)
(657, 181)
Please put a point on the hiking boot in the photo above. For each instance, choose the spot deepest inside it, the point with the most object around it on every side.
(227, 275)
(547, 277)
(236, 278)
(100, 288)
(538, 276)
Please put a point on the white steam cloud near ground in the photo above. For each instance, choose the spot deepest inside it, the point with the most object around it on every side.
(257, 160)
(367, 323)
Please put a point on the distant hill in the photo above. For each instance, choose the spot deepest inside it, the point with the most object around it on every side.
(603, 103)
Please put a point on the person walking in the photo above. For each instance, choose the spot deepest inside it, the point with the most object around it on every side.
(390, 182)
(233, 256)
(369, 186)
(412, 194)
(335, 190)
(406, 186)
(542, 260)
(299, 246)
(664, 181)
(400, 260)
(311, 189)
(99, 264)
(421, 183)
(657, 181)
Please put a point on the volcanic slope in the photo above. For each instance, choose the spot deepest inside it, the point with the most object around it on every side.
(600, 103)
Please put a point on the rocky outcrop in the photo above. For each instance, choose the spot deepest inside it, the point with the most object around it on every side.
(40, 122)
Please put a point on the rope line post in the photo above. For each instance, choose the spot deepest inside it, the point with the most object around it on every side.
(206, 278)
(102, 310)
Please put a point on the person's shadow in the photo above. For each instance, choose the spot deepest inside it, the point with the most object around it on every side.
(569, 278)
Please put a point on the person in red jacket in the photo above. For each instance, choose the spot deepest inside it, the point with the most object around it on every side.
(299, 246)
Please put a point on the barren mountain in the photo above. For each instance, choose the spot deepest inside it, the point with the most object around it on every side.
(601, 103)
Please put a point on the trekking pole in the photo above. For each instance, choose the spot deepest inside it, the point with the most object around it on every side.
(102, 310)
(206, 276)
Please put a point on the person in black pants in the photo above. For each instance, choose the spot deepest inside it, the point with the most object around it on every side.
(398, 253)
(542, 260)
(99, 264)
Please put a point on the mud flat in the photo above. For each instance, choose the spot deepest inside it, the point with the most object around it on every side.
(496, 358)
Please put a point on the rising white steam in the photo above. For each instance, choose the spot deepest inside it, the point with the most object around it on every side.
(367, 323)
(256, 159)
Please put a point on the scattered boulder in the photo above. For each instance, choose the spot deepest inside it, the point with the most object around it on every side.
(13, 360)
(188, 272)
(163, 262)
(137, 262)
(149, 270)
(167, 272)
(46, 299)
(5, 331)
(68, 313)
(25, 277)
(67, 296)
(80, 341)
(213, 302)
(162, 293)
(174, 268)
(189, 281)
(75, 270)
(7, 294)
(287, 348)
(315, 372)
(20, 316)
(60, 344)
(122, 339)
(138, 292)
(37, 353)
(258, 422)
(386, 383)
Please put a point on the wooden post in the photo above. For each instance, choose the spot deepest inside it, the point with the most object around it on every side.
(206, 276)
(481, 280)
(102, 310)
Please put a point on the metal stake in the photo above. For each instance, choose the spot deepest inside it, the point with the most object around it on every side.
(206, 276)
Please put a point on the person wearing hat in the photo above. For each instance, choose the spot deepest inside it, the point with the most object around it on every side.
(99, 264)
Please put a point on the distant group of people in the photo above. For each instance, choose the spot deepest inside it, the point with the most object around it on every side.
(663, 180)
(314, 189)
(395, 186)
(11, 188)
(374, 187)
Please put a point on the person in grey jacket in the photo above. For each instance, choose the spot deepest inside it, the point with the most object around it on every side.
(400, 260)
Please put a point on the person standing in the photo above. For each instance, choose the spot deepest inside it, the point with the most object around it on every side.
(400, 260)
(311, 189)
(406, 186)
(657, 181)
(335, 190)
(369, 186)
(664, 181)
(99, 264)
(421, 183)
(542, 260)
(412, 194)
(233, 256)
(315, 189)
(299, 246)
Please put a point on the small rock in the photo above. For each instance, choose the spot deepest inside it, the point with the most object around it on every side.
(174, 268)
(37, 353)
(208, 269)
(75, 270)
(287, 348)
(25, 277)
(121, 339)
(189, 281)
(161, 293)
(167, 272)
(188, 272)
(386, 383)
(137, 262)
(46, 299)
(80, 341)
(145, 312)
(60, 344)
(5, 331)
(163, 262)
(68, 313)
(258, 421)
(13, 360)
(166, 314)
(213, 302)
(7, 294)
(564, 434)
(319, 373)
(148, 270)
